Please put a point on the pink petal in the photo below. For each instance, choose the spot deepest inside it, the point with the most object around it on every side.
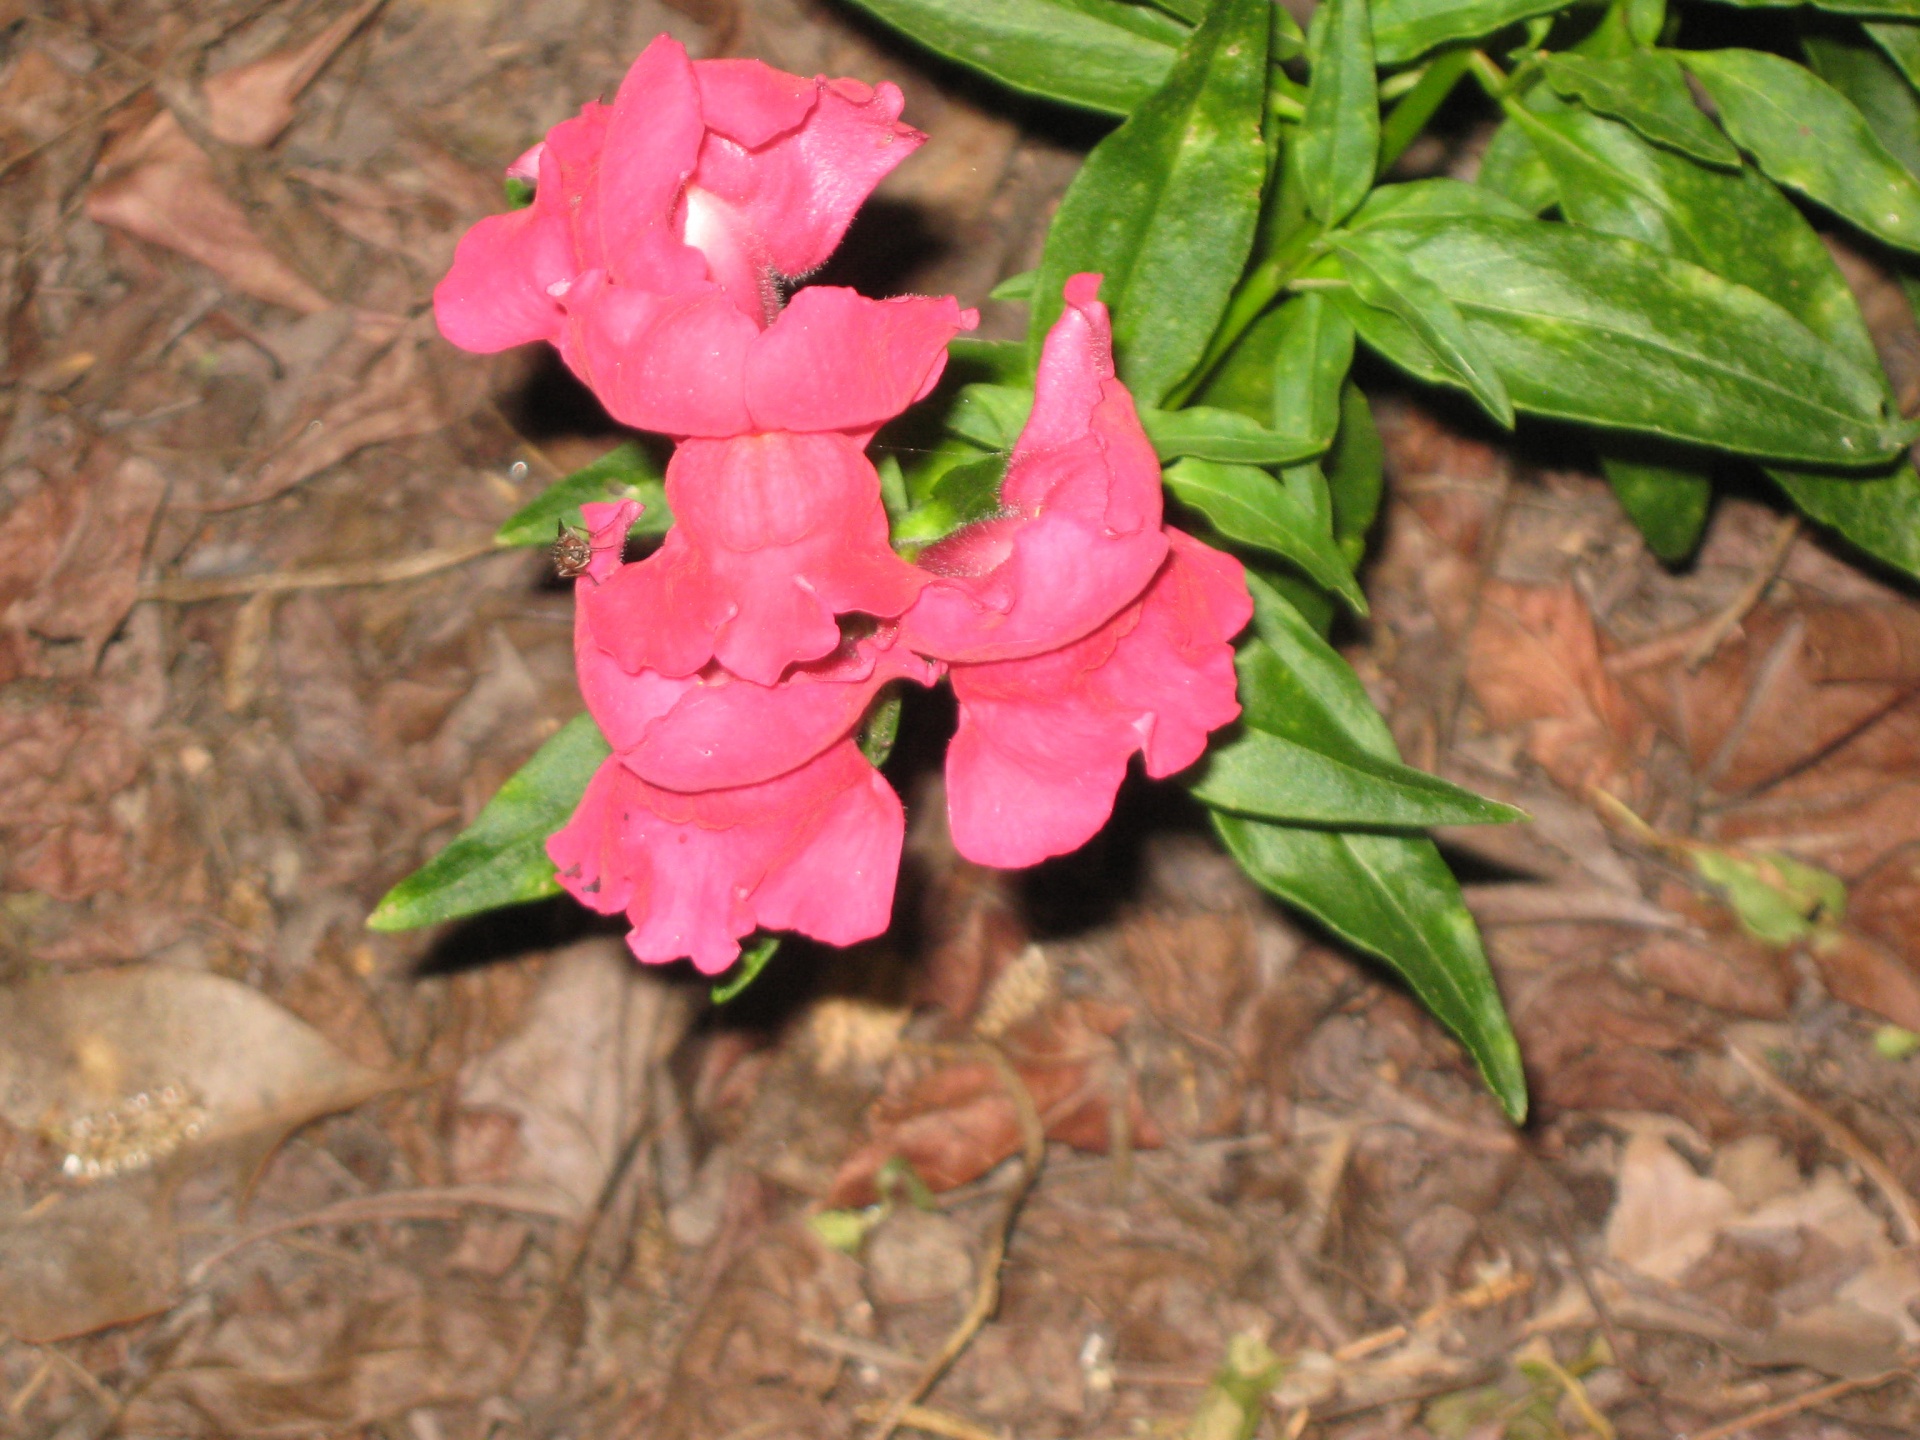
(1081, 539)
(725, 731)
(796, 164)
(775, 536)
(836, 360)
(653, 143)
(815, 851)
(496, 295)
(672, 363)
(1043, 742)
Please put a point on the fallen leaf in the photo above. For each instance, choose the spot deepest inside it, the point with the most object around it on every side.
(1864, 971)
(157, 184)
(554, 1102)
(1664, 1217)
(90, 1057)
(955, 1122)
(82, 1260)
(60, 764)
(95, 577)
(1534, 662)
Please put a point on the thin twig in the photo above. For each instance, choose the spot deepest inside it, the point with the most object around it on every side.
(986, 1294)
(1906, 1213)
(1784, 534)
(385, 571)
(437, 1202)
(1799, 1404)
(934, 1422)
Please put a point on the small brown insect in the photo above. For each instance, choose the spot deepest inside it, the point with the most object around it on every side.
(572, 551)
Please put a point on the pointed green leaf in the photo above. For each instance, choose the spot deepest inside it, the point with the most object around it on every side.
(1881, 515)
(990, 416)
(1646, 90)
(1404, 30)
(1165, 206)
(1392, 896)
(1902, 46)
(1294, 684)
(1666, 503)
(625, 473)
(1310, 365)
(1098, 54)
(1384, 279)
(1206, 433)
(1878, 90)
(1250, 506)
(1273, 778)
(1432, 200)
(501, 859)
(1339, 139)
(1016, 289)
(1807, 136)
(1356, 474)
(963, 494)
(1606, 331)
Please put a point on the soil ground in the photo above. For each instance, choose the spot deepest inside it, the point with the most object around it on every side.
(263, 1172)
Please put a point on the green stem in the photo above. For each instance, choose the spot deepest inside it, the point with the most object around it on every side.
(1260, 288)
(1410, 116)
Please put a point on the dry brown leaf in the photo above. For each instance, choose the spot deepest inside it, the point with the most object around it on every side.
(157, 184)
(89, 1055)
(82, 1260)
(1862, 971)
(1535, 662)
(393, 400)
(1665, 1217)
(59, 767)
(954, 1123)
(553, 1103)
(92, 582)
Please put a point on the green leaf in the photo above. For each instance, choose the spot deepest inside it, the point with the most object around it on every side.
(1905, 9)
(746, 969)
(1606, 331)
(1165, 206)
(1513, 169)
(1880, 515)
(1310, 364)
(990, 415)
(625, 473)
(1206, 433)
(1404, 30)
(1646, 90)
(1392, 896)
(993, 415)
(963, 494)
(1274, 778)
(1668, 504)
(1015, 288)
(1808, 137)
(1383, 278)
(997, 362)
(1294, 684)
(1403, 125)
(1902, 46)
(501, 859)
(1356, 474)
(1433, 200)
(1339, 140)
(1107, 57)
(1250, 506)
(1879, 91)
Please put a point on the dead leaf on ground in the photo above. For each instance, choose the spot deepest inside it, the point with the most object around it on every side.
(60, 765)
(552, 1104)
(93, 580)
(954, 1123)
(157, 184)
(1535, 662)
(82, 1260)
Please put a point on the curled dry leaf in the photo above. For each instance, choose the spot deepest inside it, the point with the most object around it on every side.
(157, 184)
(955, 1122)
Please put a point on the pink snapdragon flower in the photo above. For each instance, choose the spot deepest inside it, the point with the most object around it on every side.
(1079, 536)
(1044, 741)
(815, 851)
(729, 806)
(710, 180)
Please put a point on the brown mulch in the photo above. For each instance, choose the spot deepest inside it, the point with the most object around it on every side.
(263, 1172)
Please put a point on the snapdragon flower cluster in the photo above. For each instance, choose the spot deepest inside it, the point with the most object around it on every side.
(731, 669)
